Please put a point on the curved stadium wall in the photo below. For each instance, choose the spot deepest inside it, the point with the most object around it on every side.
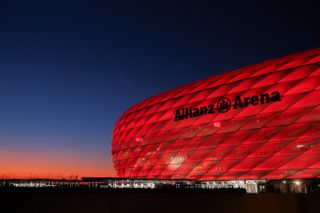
(257, 122)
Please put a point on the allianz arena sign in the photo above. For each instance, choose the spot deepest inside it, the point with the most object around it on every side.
(224, 105)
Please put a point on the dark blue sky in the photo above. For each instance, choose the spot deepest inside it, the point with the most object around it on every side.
(68, 69)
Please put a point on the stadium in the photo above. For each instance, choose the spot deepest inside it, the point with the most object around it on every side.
(257, 123)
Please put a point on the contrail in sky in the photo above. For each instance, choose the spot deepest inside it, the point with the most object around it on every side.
(128, 84)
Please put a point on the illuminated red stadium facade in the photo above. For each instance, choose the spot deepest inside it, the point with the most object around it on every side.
(258, 122)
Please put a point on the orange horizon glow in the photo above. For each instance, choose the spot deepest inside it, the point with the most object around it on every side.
(32, 164)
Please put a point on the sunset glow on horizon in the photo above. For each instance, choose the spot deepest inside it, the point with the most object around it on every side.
(55, 165)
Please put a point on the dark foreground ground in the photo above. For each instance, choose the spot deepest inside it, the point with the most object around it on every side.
(27, 200)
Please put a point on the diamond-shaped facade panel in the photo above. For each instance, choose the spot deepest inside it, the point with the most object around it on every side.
(258, 122)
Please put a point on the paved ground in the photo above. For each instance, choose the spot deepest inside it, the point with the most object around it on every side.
(153, 202)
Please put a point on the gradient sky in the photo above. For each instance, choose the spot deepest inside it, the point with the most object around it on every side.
(68, 69)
